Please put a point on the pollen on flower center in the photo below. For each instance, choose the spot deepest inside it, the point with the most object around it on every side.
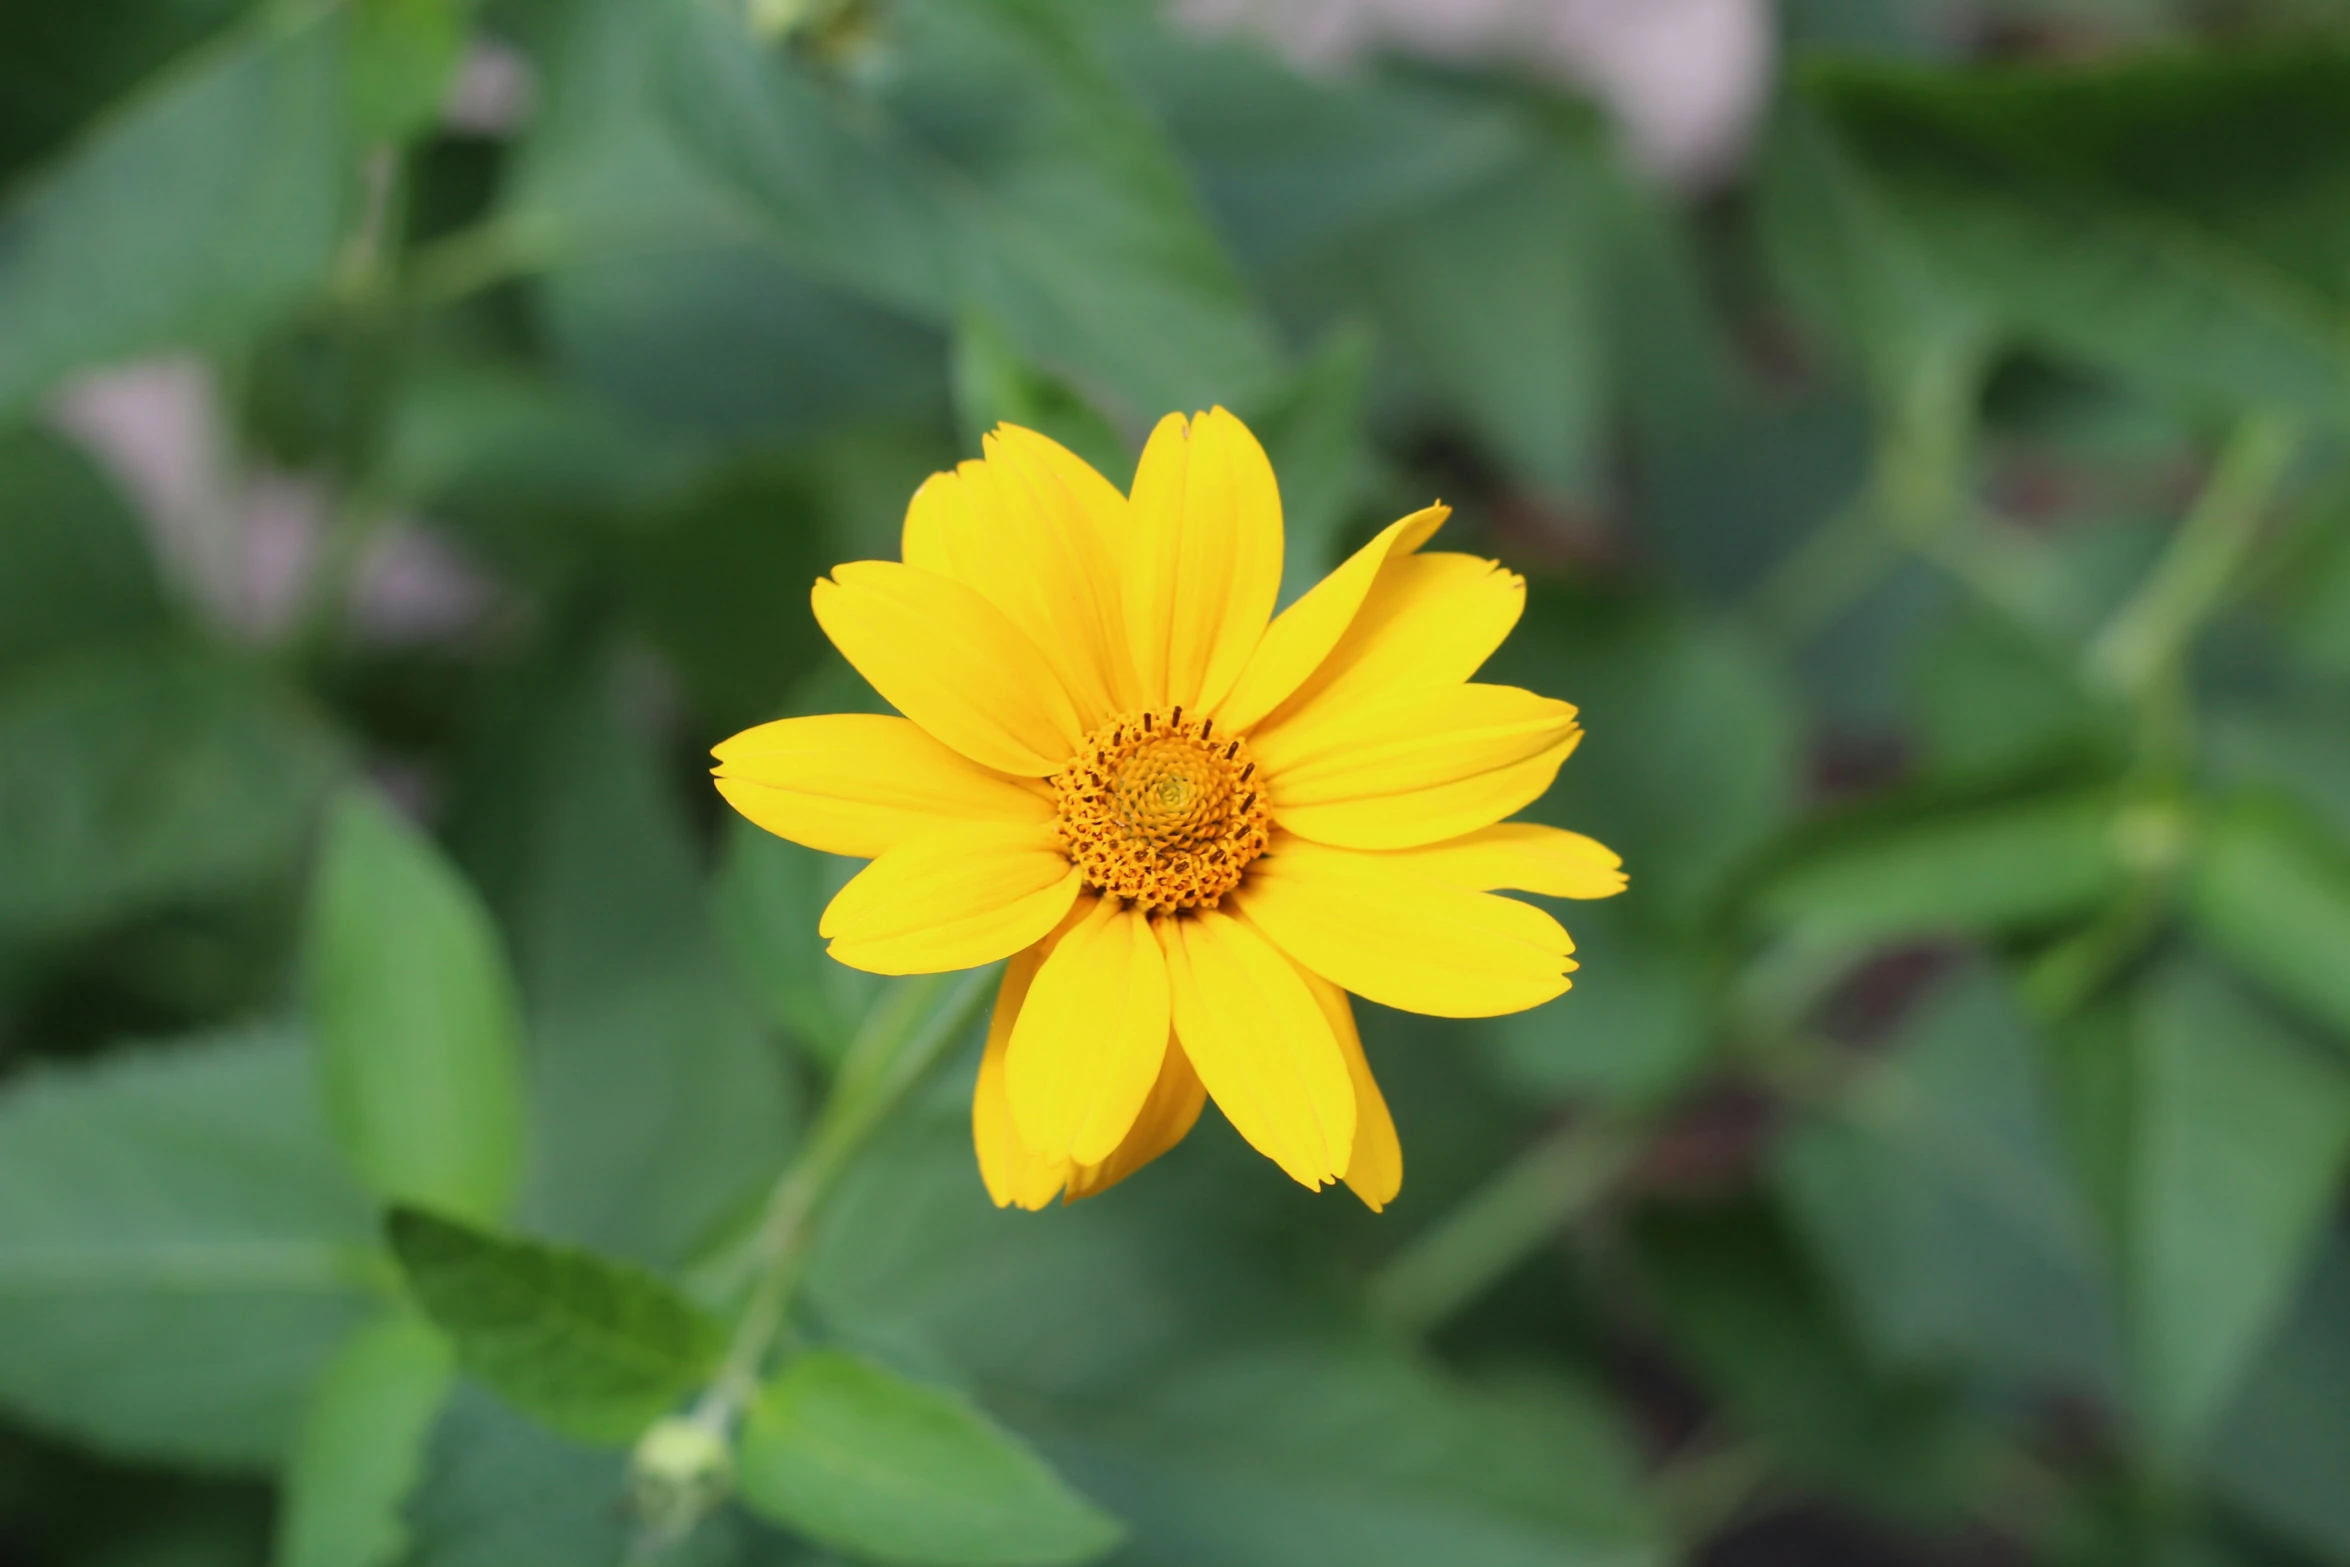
(1159, 809)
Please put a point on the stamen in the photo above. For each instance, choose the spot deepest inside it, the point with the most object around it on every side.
(1148, 812)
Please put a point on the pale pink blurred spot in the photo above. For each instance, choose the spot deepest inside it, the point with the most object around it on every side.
(1687, 79)
(281, 524)
(494, 92)
(156, 427)
(242, 545)
(415, 586)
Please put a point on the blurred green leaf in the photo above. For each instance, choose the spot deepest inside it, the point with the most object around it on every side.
(2242, 1131)
(73, 563)
(2177, 219)
(659, 1105)
(1497, 294)
(1968, 871)
(502, 1491)
(1847, 258)
(594, 1348)
(180, 1250)
(61, 65)
(2278, 1453)
(995, 385)
(361, 1447)
(998, 169)
(1633, 1030)
(204, 208)
(1940, 1204)
(415, 1019)
(1315, 435)
(133, 779)
(1295, 1456)
(2272, 892)
(1740, 1304)
(1301, 166)
(1689, 760)
(1996, 700)
(402, 55)
(718, 581)
(857, 1458)
(770, 894)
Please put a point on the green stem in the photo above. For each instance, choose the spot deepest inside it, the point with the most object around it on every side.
(1480, 1242)
(2141, 646)
(915, 1025)
(681, 1466)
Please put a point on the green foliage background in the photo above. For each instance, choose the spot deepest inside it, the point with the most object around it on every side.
(1945, 529)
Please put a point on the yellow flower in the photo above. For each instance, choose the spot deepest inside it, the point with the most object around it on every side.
(1192, 826)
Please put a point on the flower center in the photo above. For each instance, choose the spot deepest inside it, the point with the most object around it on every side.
(1158, 809)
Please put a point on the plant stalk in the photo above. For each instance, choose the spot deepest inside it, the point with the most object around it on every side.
(2144, 641)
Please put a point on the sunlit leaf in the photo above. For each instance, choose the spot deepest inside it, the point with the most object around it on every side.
(591, 1347)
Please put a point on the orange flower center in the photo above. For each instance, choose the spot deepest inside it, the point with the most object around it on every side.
(1158, 809)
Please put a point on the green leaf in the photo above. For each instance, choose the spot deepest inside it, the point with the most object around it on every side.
(361, 1447)
(1317, 438)
(2177, 219)
(502, 1491)
(2271, 891)
(856, 1458)
(402, 55)
(659, 1105)
(204, 208)
(58, 68)
(2242, 1128)
(1301, 1454)
(995, 385)
(1742, 1309)
(1052, 206)
(1498, 296)
(1996, 700)
(134, 780)
(1691, 760)
(1970, 871)
(1634, 1029)
(180, 1250)
(1939, 1201)
(594, 1348)
(418, 1030)
(771, 893)
(2279, 1452)
(73, 564)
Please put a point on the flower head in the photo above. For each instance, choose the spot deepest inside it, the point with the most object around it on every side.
(1192, 826)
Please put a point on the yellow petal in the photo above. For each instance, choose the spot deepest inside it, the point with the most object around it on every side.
(951, 900)
(1402, 940)
(1302, 636)
(1261, 1044)
(1012, 1173)
(1429, 620)
(860, 784)
(1091, 1039)
(1166, 1119)
(1524, 856)
(1009, 528)
(1395, 821)
(952, 662)
(1203, 562)
(1101, 500)
(1375, 1172)
(1443, 760)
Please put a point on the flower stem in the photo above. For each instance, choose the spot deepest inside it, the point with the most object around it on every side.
(1471, 1248)
(681, 1464)
(2143, 642)
(914, 1025)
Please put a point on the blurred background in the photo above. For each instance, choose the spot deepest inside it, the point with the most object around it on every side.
(1920, 424)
